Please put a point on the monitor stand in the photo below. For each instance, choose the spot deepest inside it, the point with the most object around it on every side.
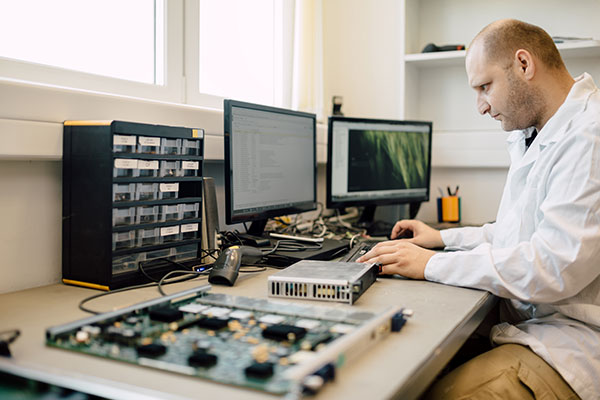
(382, 228)
(255, 236)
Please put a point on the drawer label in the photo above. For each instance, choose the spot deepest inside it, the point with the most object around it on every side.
(169, 230)
(149, 141)
(126, 163)
(190, 165)
(143, 164)
(124, 140)
(189, 228)
(169, 187)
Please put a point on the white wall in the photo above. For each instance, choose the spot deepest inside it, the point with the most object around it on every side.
(361, 47)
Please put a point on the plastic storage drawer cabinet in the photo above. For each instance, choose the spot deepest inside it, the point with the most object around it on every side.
(132, 195)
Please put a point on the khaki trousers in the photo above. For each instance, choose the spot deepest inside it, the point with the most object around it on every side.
(509, 371)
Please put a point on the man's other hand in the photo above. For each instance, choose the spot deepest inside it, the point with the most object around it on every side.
(422, 234)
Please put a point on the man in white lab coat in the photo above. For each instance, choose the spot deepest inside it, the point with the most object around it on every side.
(542, 255)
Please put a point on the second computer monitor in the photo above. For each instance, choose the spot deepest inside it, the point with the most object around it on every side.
(270, 163)
(375, 162)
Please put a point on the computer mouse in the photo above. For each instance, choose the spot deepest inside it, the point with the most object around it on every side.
(226, 268)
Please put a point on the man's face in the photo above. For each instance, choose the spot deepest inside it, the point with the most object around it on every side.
(502, 92)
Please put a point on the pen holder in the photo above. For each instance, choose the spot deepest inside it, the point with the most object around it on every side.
(448, 209)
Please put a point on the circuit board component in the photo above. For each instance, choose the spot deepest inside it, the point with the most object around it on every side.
(261, 344)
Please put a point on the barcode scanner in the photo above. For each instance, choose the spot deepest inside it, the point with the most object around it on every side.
(226, 268)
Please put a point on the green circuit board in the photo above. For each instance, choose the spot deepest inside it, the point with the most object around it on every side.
(229, 339)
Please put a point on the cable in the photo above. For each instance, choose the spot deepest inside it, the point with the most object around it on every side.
(4, 349)
(85, 309)
(292, 245)
(251, 268)
(154, 282)
(14, 334)
(186, 272)
(340, 221)
(353, 238)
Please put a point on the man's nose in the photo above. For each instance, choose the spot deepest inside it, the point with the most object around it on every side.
(482, 106)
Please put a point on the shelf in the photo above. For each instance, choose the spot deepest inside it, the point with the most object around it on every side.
(575, 49)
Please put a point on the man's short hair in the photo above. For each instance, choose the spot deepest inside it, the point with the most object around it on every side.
(502, 39)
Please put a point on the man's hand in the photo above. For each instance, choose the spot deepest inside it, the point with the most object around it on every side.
(399, 257)
(423, 235)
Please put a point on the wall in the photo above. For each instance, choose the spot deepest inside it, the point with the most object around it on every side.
(361, 56)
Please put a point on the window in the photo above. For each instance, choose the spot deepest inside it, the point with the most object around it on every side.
(194, 51)
(241, 49)
(119, 39)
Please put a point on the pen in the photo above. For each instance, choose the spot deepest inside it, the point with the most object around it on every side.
(456, 191)
(449, 191)
(441, 192)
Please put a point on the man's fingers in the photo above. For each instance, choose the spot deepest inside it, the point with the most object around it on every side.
(384, 259)
(389, 247)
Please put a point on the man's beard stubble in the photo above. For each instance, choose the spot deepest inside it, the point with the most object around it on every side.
(525, 104)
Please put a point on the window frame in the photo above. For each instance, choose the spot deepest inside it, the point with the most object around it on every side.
(171, 90)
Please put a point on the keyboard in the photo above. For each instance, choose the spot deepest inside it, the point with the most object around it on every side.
(358, 250)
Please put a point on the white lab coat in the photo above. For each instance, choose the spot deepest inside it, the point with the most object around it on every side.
(543, 252)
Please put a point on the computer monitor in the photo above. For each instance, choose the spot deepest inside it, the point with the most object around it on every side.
(270, 163)
(373, 162)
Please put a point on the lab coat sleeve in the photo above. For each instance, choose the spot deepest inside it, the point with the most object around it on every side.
(467, 238)
(562, 255)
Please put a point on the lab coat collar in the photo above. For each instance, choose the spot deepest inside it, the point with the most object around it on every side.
(576, 101)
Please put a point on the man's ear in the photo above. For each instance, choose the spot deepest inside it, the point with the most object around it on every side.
(525, 63)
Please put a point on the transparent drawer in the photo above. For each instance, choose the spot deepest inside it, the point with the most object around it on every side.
(147, 214)
(147, 191)
(156, 254)
(125, 168)
(124, 144)
(148, 237)
(148, 168)
(123, 240)
(170, 168)
(189, 231)
(168, 190)
(170, 234)
(127, 263)
(187, 252)
(190, 168)
(170, 146)
(189, 210)
(191, 147)
(170, 213)
(148, 145)
(123, 216)
(123, 192)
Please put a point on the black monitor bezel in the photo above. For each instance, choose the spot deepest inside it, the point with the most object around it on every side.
(228, 104)
(372, 202)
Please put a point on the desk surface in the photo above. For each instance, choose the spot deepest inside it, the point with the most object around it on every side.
(402, 365)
